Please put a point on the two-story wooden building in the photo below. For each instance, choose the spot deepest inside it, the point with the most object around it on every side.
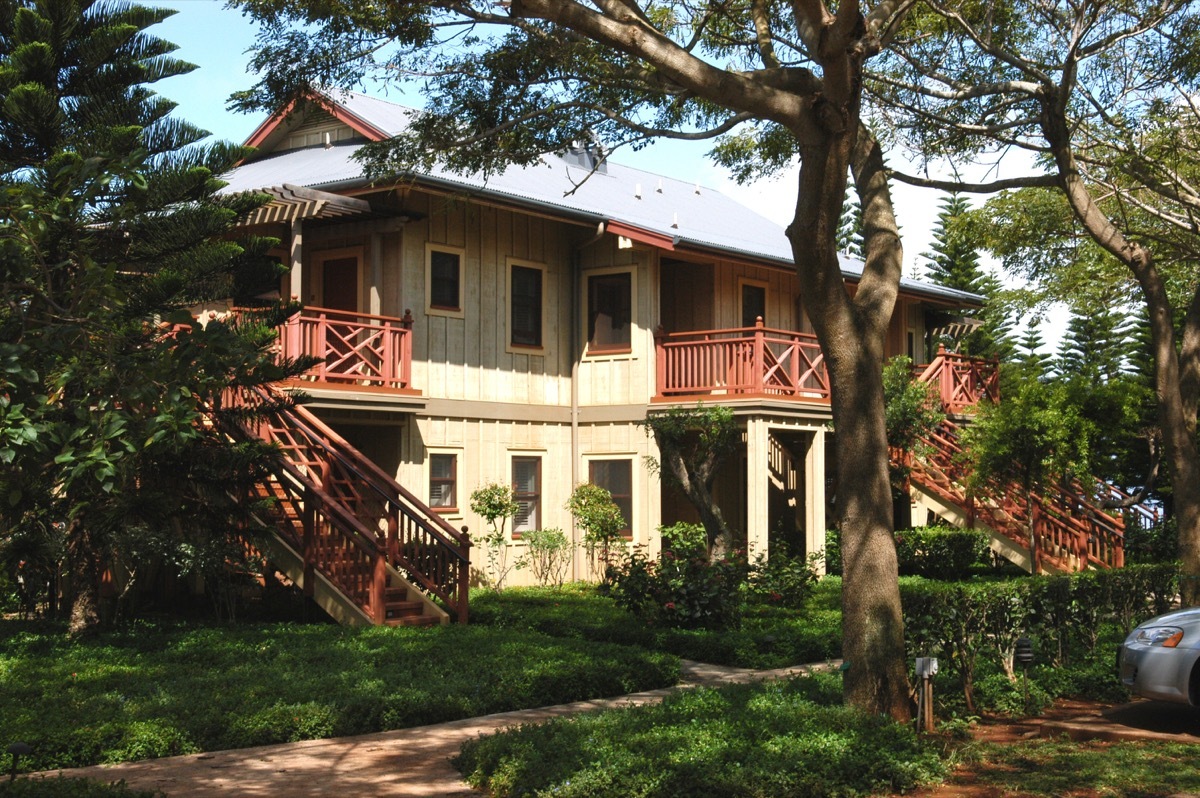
(517, 329)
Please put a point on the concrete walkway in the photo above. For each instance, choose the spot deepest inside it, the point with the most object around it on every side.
(406, 762)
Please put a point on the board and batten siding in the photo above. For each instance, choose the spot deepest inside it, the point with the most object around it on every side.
(468, 357)
(485, 448)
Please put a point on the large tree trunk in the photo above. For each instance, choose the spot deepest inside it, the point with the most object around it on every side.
(852, 334)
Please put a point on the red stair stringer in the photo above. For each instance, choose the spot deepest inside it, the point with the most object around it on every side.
(360, 544)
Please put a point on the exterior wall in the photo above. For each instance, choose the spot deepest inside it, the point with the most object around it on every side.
(485, 449)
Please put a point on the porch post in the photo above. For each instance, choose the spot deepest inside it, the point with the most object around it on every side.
(814, 497)
(296, 259)
(758, 474)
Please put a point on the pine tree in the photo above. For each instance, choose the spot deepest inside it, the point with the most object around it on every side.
(1095, 344)
(954, 261)
(110, 230)
(1032, 361)
(850, 227)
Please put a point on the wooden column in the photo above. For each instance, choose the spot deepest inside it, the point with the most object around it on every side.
(814, 496)
(758, 475)
(296, 260)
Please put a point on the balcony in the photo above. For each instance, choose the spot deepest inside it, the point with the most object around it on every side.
(355, 351)
(743, 363)
(762, 363)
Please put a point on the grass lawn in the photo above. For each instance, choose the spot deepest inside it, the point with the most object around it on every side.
(769, 637)
(150, 691)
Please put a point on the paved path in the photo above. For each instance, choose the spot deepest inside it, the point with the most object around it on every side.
(406, 762)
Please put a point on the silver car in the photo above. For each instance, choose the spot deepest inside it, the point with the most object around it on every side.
(1161, 658)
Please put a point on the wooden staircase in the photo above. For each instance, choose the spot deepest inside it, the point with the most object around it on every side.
(1070, 530)
(360, 545)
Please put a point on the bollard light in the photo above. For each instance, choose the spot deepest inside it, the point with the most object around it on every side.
(1024, 655)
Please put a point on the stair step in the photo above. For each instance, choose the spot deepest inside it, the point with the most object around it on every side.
(412, 620)
(396, 609)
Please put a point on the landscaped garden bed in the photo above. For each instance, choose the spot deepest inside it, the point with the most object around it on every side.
(149, 691)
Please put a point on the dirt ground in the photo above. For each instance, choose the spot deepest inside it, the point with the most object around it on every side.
(1081, 720)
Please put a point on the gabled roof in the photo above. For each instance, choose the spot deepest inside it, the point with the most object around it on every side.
(664, 211)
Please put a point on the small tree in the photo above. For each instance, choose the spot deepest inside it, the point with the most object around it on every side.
(694, 443)
(496, 504)
(596, 512)
(548, 554)
(913, 412)
(1034, 436)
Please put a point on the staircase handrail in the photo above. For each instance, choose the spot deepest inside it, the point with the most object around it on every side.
(393, 497)
(374, 477)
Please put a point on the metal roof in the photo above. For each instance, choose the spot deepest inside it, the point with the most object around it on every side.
(680, 212)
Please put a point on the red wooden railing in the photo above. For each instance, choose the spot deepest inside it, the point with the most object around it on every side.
(352, 348)
(349, 519)
(1070, 531)
(746, 360)
(962, 381)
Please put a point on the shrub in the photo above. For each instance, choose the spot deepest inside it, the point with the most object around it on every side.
(940, 552)
(548, 554)
(783, 581)
(496, 504)
(598, 515)
(682, 592)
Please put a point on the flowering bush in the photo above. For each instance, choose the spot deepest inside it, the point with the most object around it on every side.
(682, 592)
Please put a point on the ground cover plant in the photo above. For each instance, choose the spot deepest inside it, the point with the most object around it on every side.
(147, 691)
(769, 636)
(60, 787)
(779, 739)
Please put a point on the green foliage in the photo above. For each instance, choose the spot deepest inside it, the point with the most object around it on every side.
(850, 226)
(495, 503)
(595, 511)
(1052, 768)
(684, 592)
(1037, 434)
(133, 693)
(973, 626)
(683, 539)
(110, 231)
(768, 637)
(944, 553)
(693, 443)
(1153, 544)
(63, 787)
(941, 552)
(783, 581)
(548, 555)
(781, 739)
(913, 410)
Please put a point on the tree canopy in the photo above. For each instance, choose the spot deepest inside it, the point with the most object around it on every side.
(110, 231)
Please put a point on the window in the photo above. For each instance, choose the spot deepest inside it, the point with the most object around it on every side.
(443, 481)
(754, 303)
(616, 476)
(443, 275)
(527, 490)
(610, 299)
(525, 290)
